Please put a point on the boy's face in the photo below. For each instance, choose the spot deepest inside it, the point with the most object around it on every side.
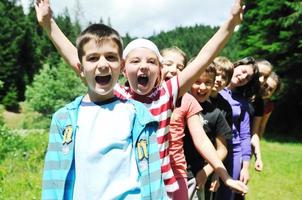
(202, 88)
(220, 80)
(173, 63)
(242, 75)
(142, 69)
(101, 65)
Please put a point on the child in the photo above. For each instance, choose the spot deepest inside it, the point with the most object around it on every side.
(243, 85)
(257, 106)
(187, 112)
(216, 128)
(86, 150)
(271, 85)
(224, 71)
(142, 69)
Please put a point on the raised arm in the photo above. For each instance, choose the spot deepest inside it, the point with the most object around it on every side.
(65, 48)
(191, 73)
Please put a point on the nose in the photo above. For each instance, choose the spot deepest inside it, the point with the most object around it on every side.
(202, 86)
(218, 79)
(143, 66)
(173, 70)
(102, 64)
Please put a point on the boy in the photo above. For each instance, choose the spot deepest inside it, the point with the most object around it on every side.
(86, 149)
(224, 72)
(216, 128)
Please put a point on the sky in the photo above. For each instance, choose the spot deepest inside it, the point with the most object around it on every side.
(142, 18)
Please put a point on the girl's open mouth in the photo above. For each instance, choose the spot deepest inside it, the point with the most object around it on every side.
(142, 80)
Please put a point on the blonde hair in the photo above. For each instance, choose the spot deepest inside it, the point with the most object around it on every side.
(224, 64)
(264, 62)
(176, 50)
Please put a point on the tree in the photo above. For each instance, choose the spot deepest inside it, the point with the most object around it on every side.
(272, 30)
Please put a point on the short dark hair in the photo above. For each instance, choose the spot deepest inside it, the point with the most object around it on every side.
(98, 32)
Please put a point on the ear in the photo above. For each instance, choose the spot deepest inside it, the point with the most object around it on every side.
(123, 69)
(81, 70)
(159, 78)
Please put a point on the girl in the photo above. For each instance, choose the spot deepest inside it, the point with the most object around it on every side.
(243, 85)
(257, 108)
(271, 85)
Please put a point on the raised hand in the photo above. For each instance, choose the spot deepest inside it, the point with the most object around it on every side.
(43, 12)
(237, 12)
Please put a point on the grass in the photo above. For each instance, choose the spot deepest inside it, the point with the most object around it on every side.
(21, 168)
(25, 119)
(22, 156)
(282, 175)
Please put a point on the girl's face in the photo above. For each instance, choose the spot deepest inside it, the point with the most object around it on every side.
(269, 88)
(202, 88)
(242, 75)
(142, 69)
(173, 63)
(264, 72)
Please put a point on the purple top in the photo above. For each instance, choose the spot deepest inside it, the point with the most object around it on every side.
(241, 122)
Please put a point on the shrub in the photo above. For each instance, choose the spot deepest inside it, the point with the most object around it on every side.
(53, 87)
(10, 101)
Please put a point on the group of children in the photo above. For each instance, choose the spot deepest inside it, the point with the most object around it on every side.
(165, 133)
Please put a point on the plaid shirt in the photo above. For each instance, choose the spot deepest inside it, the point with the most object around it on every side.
(59, 170)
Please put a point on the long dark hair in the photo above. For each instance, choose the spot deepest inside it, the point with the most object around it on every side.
(252, 88)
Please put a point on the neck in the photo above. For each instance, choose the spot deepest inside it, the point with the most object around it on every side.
(93, 97)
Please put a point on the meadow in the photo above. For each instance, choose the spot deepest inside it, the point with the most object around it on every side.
(22, 154)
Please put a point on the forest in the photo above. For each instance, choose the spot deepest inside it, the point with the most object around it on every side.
(32, 71)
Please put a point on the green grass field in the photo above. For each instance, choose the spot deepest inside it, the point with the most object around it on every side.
(281, 178)
(22, 162)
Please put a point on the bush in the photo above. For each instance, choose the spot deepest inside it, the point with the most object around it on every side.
(52, 88)
(8, 141)
(10, 101)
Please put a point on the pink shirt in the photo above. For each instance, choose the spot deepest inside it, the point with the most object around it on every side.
(189, 106)
(160, 102)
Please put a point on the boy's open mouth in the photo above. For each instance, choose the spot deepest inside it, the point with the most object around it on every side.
(142, 80)
(103, 80)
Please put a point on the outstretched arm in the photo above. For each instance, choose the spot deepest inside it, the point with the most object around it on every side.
(191, 73)
(221, 151)
(204, 146)
(65, 48)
